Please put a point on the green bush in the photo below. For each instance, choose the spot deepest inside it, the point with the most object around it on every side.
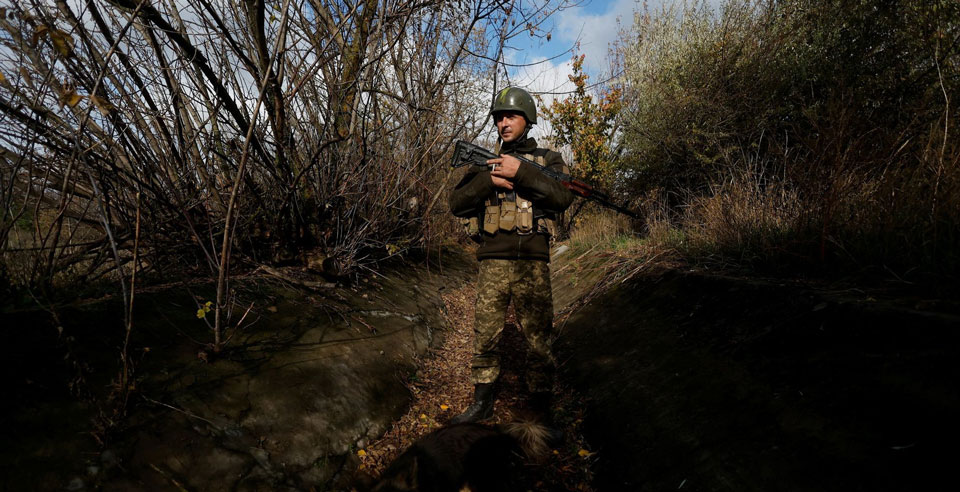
(846, 105)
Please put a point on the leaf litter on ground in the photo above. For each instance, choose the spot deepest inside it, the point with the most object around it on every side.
(441, 389)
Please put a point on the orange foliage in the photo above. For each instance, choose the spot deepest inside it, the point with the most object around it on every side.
(587, 126)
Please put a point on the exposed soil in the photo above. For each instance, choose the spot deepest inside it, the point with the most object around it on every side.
(441, 389)
(312, 375)
(708, 382)
(670, 379)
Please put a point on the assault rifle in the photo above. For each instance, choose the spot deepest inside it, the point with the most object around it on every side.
(467, 153)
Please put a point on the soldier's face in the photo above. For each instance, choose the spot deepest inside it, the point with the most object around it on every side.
(510, 124)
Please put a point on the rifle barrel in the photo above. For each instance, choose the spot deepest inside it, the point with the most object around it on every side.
(467, 153)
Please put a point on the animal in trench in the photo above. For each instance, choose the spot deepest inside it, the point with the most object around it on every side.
(465, 457)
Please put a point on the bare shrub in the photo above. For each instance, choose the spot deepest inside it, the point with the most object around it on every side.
(251, 130)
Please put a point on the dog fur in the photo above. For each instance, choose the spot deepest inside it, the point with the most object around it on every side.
(464, 458)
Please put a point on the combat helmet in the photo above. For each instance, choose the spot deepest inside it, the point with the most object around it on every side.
(515, 99)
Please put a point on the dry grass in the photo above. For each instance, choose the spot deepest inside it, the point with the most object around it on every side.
(748, 213)
(850, 218)
(596, 226)
(852, 167)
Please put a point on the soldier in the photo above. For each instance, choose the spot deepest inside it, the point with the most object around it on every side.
(511, 210)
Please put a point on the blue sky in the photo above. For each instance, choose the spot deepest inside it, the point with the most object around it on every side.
(595, 24)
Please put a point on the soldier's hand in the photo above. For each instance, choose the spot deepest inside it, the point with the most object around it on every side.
(501, 182)
(507, 166)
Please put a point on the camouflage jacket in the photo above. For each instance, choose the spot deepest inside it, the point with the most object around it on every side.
(549, 198)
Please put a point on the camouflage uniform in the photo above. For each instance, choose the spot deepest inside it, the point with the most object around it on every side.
(514, 266)
(527, 283)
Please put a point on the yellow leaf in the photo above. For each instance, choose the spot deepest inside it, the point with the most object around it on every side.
(423, 416)
(26, 76)
(583, 453)
(70, 98)
(101, 104)
(201, 313)
(3, 80)
(361, 453)
(444, 407)
(39, 31)
(62, 42)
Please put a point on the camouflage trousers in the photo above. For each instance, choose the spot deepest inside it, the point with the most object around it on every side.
(527, 284)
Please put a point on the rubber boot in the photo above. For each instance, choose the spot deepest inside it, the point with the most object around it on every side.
(482, 406)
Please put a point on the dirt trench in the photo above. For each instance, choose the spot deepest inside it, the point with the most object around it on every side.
(313, 375)
(707, 382)
(669, 380)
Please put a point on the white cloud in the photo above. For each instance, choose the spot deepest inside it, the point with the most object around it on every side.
(596, 32)
(547, 79)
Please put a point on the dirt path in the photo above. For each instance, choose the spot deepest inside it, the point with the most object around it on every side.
(441, 390)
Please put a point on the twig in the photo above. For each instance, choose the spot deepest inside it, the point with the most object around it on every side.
(228, 231)
(364, 323)
(310, 284)
(185, 412)
(124, 356)
(167, 475)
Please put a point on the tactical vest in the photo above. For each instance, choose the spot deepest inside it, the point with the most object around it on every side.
(508, 211)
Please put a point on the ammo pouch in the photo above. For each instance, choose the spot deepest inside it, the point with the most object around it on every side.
(508, 211)
(471, 226)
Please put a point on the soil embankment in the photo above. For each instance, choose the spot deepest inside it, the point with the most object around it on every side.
(311, 377)
(700, 382)
(680, 380)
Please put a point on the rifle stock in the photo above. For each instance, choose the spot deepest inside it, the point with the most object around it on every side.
(466, 153)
